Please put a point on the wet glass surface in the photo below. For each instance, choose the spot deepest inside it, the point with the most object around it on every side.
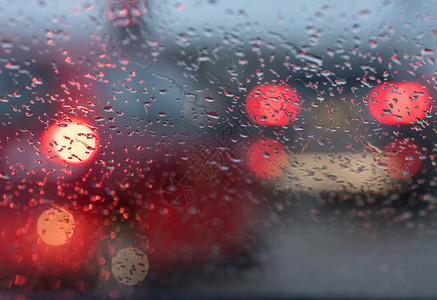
(218, 149)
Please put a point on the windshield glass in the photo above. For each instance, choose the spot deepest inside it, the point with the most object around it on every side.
(218, 149)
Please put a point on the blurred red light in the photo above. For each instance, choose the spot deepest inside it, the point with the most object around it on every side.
(273, 105)
(402, 158)
(267, 158)
(399, 103)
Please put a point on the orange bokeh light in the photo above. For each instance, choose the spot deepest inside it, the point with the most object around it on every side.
(73, 142)
(273, 104)
(267, 158)
(55, 226)
(399, 103)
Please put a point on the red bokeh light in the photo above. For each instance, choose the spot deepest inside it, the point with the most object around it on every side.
(399, 103)
(402, 158)
(273, 104)
(267, 157)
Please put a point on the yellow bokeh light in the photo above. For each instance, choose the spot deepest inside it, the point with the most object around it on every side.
(55, 226)
(130, 266)
(73, 142)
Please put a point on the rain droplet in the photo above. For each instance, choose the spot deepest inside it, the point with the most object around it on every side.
(213, 115)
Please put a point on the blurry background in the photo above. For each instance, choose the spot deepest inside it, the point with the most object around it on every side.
(150, 148)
